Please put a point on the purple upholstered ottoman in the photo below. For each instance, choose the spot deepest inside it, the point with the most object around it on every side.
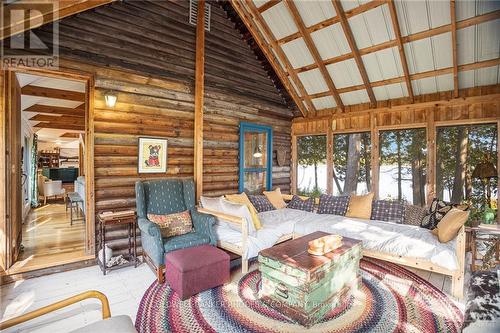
(195, 269)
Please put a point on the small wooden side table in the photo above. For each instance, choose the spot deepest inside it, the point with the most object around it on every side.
(127, 218)
(492, 231)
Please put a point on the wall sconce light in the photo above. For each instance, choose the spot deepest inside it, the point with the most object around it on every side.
(110, 98)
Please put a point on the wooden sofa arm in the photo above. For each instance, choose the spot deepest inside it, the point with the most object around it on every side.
(240, 221)
(106, 313)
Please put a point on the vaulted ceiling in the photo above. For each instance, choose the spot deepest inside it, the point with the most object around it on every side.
(332, 54)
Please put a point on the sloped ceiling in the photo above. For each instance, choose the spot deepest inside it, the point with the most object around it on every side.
(339, 53)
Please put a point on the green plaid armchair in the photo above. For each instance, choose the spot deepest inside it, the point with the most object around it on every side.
(166, 197)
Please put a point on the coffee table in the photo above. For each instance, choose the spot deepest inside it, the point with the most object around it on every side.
(304, 287)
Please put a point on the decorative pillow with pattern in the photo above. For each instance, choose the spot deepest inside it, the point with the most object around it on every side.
(414, 214)
(305, 205)
(436, 212)
(261, 203)
(330, 204)
(388, 210)
(173, 224)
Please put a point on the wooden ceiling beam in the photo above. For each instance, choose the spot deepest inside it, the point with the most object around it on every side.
(279, 52)
(333, 20)
(74, 112)
(53, 93)
(406, 39)
(354, 50)
(59, 119)
(70, 135)
(402, 55)
(246, 18)
(453, 17)
(314, 52)
(43, 14)
(268, 5)
(61, 126)
(416, 76)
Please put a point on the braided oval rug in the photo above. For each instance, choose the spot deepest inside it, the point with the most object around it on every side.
(390, 299)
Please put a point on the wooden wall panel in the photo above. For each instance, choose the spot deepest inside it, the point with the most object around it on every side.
(145, 52)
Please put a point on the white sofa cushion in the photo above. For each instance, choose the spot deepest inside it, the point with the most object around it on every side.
(219, 204)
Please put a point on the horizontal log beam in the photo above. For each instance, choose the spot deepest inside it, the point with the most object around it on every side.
(53, 93)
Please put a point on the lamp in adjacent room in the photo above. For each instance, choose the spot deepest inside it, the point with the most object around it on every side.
(110, 98)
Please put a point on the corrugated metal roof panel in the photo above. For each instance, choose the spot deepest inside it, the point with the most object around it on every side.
(355, 97)
(372, 27)
(313, 12)
(468, 9)
(382, 65)
(280, 21)
(259, 3)
(324, 102)
(430, 85)
(479, 42)
(331, 41)
(298, 53)
(417, 16)
(313, 81)
(390, 91)
(429, 53)
(345, 73)
(479, 77)
(351, 4)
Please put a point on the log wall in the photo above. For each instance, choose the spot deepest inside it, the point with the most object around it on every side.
(145, 52)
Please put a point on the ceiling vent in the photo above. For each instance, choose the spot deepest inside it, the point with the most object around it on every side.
(193, 13)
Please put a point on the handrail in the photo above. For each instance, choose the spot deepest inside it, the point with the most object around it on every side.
(106, 312)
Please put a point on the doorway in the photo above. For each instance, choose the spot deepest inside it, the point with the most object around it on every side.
(46, 124)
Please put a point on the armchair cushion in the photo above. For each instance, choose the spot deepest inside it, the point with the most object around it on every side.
(188, 240)
(174, 224)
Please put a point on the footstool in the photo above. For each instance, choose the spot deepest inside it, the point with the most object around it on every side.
(195, 269)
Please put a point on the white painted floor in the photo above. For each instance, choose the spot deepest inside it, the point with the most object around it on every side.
(124, 289)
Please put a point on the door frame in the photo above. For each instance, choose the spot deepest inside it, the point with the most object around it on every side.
(6, 258)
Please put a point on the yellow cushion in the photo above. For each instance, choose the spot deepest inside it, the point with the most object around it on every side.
(275, 198)
(242, 198)
(447, 229)
(360, 206)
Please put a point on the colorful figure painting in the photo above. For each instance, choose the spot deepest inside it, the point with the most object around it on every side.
(152, 155)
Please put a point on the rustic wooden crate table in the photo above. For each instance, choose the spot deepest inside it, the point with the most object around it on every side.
(127, 218)
(304, 287)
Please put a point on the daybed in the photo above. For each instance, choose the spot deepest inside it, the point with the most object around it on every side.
(407, 245)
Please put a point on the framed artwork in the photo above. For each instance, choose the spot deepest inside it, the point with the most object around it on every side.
(152, 155)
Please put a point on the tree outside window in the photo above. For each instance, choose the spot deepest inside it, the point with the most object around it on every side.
(311, 169)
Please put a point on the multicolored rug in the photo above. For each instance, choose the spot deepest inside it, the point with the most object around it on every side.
(390, 299)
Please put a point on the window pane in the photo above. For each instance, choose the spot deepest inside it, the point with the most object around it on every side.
(254, 182)
(255, 149)
(460, 150)
(351, 163)
(311, 170)
(403, 165)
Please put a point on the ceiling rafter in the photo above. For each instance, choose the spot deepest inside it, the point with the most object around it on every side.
(268, 5)
(354, 50)
(53, 93)
(453, 17)
(406, 39)
(402, 55)
(314, 52)
(417, 76)
(260, 40)
(75, 112)
(281, 55)
(333, 20)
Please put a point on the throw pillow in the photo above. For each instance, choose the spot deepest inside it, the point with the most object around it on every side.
(261, 203)
(414, 214)
(276, 198)
(240, 210)
(437, 211)
(450, 224)
(329, 204)
(212, 203)
(175, 224)
(388, 210)
(300, 204)
(242, 198)
(360, 206)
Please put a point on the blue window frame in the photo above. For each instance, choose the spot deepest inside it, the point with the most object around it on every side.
(256, 158)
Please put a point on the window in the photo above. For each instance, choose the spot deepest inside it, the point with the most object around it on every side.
(311, 165)
(351, 163)
(403, 165)
(256, 142)
(460, 150)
